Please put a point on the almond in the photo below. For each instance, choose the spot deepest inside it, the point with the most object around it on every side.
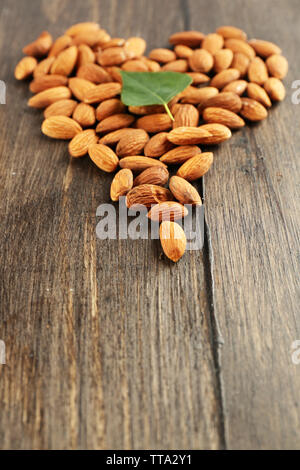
(114, 137)
(135, 47)
(201, 61)
(47, 97)
(180, 154)
(45, 82)
(277, 66)
(257, 93)
(112, 56)
(135, 65)
(43, 67)
(151, 109)
(121, 184)
(182, 51)
(60, 108)
(238, 45)
(162, 55)
(25, 68)
(40, 47)
(193, 95)
(275, 89)
(218, 133)
(169, 210)
(109, 107)
(59, 45)
(80, 28)
(253, 110)
(93, 73)
(173, 240)
(198, 78)
(84, 114)
(213, 43)
(225, 100)
(158, 175)
(80, 87)
(237, 86)
(222, 60)
(240, 62)
(92, 39)
(264, 48)
(79, 145)
(65, 61)
(223, 116)
(231, 32)
(115, 122)
(186, 115)
(115, 73)
(103, 157)
(223, 78)
(153, 123)
(180, 65)
(184, 192)
(60, 127)
(139, 163)
(196, 166)
(102, 92)
(158, 145)
(257, 71)
(147, 195)
(152, 65)
(187, 38)
(114, 42)
(132, 144)
(188, 135)
(85, 56)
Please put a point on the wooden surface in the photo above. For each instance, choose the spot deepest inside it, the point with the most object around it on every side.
(108, 346)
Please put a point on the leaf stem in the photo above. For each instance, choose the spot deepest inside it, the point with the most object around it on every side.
(168, 111)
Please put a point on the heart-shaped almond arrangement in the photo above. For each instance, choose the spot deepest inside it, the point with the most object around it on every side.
(78, 79)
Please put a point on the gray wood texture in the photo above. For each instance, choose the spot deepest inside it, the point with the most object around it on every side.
(110, 347)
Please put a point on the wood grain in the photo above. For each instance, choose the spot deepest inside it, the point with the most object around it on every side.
(109, 346)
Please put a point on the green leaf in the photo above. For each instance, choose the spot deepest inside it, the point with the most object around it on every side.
(148, 88)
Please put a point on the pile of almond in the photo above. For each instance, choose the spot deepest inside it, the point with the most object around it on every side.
(76, 80)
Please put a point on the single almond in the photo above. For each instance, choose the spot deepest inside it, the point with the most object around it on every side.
(193, 95)
(179, 65)
(60, 127)
(40, 47)
(257, 71)
(253, 110)
(238, 45)
(226, 100)
(172, 239)
(84, 114)
(186, 115)
(198, 78)
(114, 42)
(153, 123)
(222, 60)
(139, 163)
(196, 166)
(240, 62)
(80, 87)
(184, 191)
(86, 56)
(213, 43)
(256, 92)
(44, 82)
(277, 66)
(79, 145)
(25, 68)
(112, 138)
(94, 73)
(43, 67)
(168, 210)
(143, 110)
(147, 195)
(158, 145)
(187, 38)
(135, 65)
(109, 107)
(132, 144)
(223, 78)
(223, 116)
(162, 55)
(264, 48)
(158, 175)
(115, 122)
(103, 157)
(92, 39)
(218, 133)
(135, 47)
(201, 61)
(112, 56)
(237, 86)
(47, 97)
(231, 32)
(65, 61)
(182, 51)
(188, 135)
(121, 184)
(79, 28)
(61, 108)
(180, 154)
(102, 92)
(275, 89)
(59, 45)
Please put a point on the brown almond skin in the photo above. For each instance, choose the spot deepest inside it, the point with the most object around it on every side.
(180, 154)
(238, 45)
(84, 114)
(186, 115)
(60, 108)
(65, 62)
(223, 78)
(43, 67)
(121, 184)
(173, 240)
(147, 195)
(188, 135)
(222, 60)
(193, 95)
(169, 210)
(82, 27)
(201, 61)
(158, 175)
(112, 56)
(78, 146)
(102, 92)
(199, 78)
(109, 107)
(47, 81)
(179, 65)
(275, 89)
(253, 110)
(40, 47)
(80, 87)
(237, 86)
(196, 166)
(47, 97)
(213, 43)
(264, 48)
(103, 157)
(112, 138)
(158, 145)
(94, 73)
(143, 110)
(223, 116)
(226, 100)
(184, 191)
(257, 71)
(162, 55)
(59, 45)
(256, 92)
(182, 51)
(135, 47)
(153, 123)
(133, 144)
(25, 68)
(218, 133)
(231, 32)
(277, 66)
(187, 38)
(240, 62)
(86, 56)
(135, 65)
(139, 163)
(115, 122)
(60, 127)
